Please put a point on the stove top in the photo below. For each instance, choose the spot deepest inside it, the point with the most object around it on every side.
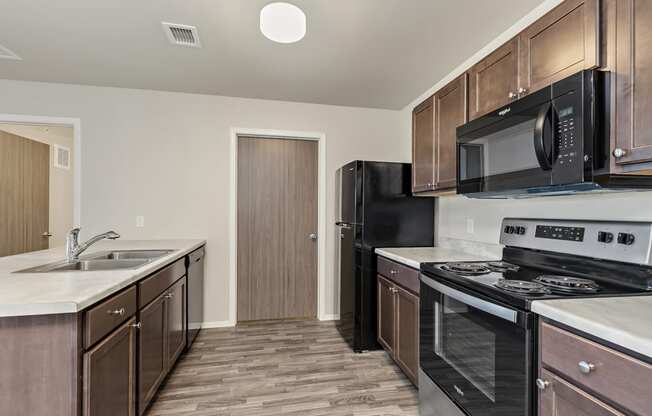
(520, 284)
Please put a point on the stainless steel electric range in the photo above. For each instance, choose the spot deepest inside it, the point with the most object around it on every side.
(478, 337)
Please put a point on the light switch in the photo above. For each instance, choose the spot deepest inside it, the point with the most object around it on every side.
(140, 221)
(470, 226)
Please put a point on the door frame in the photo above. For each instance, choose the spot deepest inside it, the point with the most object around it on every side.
(75, 124)
(320, 138)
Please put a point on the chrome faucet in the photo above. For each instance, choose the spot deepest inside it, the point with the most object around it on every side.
(74, 249)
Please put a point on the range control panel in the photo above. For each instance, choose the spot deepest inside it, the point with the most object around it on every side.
(629, 242)
(560, 233)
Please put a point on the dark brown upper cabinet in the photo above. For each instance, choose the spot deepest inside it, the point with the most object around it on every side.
(559, 44)
(423, 146)
(493, 82)
(434, 142)
(632, 39)
(450, 113)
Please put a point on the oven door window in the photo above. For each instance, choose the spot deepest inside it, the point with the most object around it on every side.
(479, 359)
(504, 155)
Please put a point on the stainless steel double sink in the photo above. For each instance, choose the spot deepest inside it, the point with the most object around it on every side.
(105, 260)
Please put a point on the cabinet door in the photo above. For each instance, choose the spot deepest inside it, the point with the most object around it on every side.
(493, 82)
(559, 44)
(423, 146)
(176, 321)
(386, 315)
(407, 333)
(560, 398)
(110, 374)
(634, 80)
(450, 109)
(152, 361)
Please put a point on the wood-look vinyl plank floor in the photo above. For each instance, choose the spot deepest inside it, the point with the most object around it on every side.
(283, 368)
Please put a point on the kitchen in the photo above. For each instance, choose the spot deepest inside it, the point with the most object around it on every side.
(136, 174)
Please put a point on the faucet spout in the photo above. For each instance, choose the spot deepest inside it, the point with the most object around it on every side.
(74, 248)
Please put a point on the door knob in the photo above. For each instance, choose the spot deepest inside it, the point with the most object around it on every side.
(312, 236)
(618, 152)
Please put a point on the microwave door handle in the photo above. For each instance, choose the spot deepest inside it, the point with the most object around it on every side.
(480, 304)
(545, 160)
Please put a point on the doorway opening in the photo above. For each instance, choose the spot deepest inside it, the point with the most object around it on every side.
(38, 177)
(277, 225)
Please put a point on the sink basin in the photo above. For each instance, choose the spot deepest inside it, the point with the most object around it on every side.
(105, 260)
(130, 254)
(87, 265)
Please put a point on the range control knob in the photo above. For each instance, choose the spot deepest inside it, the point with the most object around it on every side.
(626, 239)
(509, 229)
(605, 237)
(520, 230)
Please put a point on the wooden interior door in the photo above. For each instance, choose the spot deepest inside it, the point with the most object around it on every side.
(559, 44)
(450, 107)
(277, 226)
(25, 188)
(493, 82)
(633, 80)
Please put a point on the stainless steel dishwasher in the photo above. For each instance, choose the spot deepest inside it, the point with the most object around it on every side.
(195, 294)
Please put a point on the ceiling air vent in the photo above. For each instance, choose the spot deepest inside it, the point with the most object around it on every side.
(6, 53)
(182, 35)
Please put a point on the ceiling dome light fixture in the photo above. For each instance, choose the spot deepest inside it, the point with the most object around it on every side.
(283, 22)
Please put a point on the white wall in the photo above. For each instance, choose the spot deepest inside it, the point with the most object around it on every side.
(166, 156)
(61, 180)
(453, 211)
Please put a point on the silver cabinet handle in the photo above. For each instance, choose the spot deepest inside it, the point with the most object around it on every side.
(312, 236)
(46, 234)
(169, 296)
(137, 325)
(119, 312)
(619, 152)
(522, 91)
(542, 384)
(585, 367)
(512, 95)
(393, 272)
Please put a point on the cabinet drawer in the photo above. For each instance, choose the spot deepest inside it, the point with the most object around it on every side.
(105, 317)
(154, 285)
(612, 374)
(402, 275)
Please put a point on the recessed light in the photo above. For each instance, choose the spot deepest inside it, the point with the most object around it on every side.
(283, 22)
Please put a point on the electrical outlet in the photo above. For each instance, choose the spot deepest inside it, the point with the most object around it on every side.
(140, 221)
(470, 225)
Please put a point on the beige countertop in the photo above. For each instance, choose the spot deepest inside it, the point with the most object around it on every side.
(69, 292)
(414, 256)
(624, 321)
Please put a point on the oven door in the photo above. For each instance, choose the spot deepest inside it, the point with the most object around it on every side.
(510, 149)
(478, 352)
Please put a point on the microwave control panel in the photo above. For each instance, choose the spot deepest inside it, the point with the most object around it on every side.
(568, 141)
(566, 137)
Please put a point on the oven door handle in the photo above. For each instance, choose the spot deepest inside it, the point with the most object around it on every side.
(545, 159)
(481, 304)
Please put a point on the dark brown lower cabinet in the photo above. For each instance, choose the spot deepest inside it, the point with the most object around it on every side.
(398, 326)
(560, 398)
(176, 321)
(110, 376)
(386, 315)
(152, 359)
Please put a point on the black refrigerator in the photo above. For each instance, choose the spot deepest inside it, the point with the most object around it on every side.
(377, 209)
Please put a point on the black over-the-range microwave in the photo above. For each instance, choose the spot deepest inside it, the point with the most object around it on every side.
(553, 141)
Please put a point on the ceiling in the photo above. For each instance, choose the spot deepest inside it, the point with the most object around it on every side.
(366, 53)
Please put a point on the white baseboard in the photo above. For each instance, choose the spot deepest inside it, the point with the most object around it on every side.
(218, 324)
(329, 317)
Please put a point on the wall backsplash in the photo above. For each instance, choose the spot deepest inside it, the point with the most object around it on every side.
(454, 211)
